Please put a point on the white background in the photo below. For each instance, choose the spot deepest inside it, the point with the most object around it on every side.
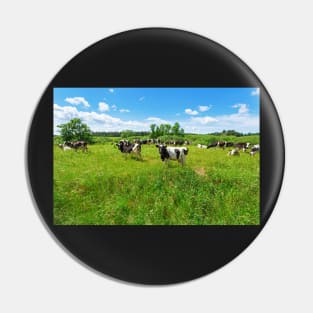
(274, 38)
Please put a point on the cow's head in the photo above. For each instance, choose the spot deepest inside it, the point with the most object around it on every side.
(163, 152)
(120, 145)
(185, 150)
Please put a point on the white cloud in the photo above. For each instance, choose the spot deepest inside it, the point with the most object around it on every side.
(64, 113)
(100, 121)
(203, 108)
(204, 120)
(240, 122)
(103, 107)
(96, 121)
(157, 120)
(77, 101)
(255, 92)
(111, 90)
(242, 108)
(114, 107)
(124, 110)
(191, 112)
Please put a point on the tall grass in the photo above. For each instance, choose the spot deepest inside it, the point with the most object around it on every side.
(105, 187)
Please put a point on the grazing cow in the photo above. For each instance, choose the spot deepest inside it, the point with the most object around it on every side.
(129, 148)
(79, 145)
(141, 141)
(178, 142)
(224, 144)
(221, 144)
(242, 145)
(254, 149)
(68, 145)
(64, 146)
(234, 152)
(212, 145)
(173, 153)
(228, 144)
(202, 146)
(153, 140)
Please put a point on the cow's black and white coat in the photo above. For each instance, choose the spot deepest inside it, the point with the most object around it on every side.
(69, 145)
(254, 149)
(130, 148)
(242, 146)
(234, 152)
(224, 144)
(64, 146)
(173, 153)
(212, 145)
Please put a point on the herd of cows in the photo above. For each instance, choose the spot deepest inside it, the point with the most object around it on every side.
(236, 147)
(167, 153)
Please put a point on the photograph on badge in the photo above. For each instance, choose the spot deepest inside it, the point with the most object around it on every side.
(156, 156)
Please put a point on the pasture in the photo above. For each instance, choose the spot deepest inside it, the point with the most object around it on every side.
(105, 187)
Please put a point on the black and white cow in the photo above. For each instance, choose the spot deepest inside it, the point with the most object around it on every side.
(212, 145)
(178, 142)
(79, 145)
(65, 146)
(173, 153)
(68, 145)
(234, 152)
(221, 144)
(254, 149)
(242, 146)
(153, 141)
(224, 144)
(129, 148)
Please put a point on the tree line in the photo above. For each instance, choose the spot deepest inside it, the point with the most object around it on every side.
(75, 130)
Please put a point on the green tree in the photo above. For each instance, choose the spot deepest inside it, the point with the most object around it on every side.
(177, 130)
(153, 131)
(75, 130)
(181, 132)
(167, 129)
(162, 129)
(157, 132)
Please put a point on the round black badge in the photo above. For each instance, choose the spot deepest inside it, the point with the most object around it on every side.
(155, 156)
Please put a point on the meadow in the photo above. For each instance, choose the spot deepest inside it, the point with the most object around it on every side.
(105, 187)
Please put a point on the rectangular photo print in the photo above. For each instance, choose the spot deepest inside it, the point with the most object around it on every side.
(156, 156)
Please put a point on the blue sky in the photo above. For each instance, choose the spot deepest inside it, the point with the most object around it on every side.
(198, 110)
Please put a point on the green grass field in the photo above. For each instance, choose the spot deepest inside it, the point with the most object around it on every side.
(102, 187)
